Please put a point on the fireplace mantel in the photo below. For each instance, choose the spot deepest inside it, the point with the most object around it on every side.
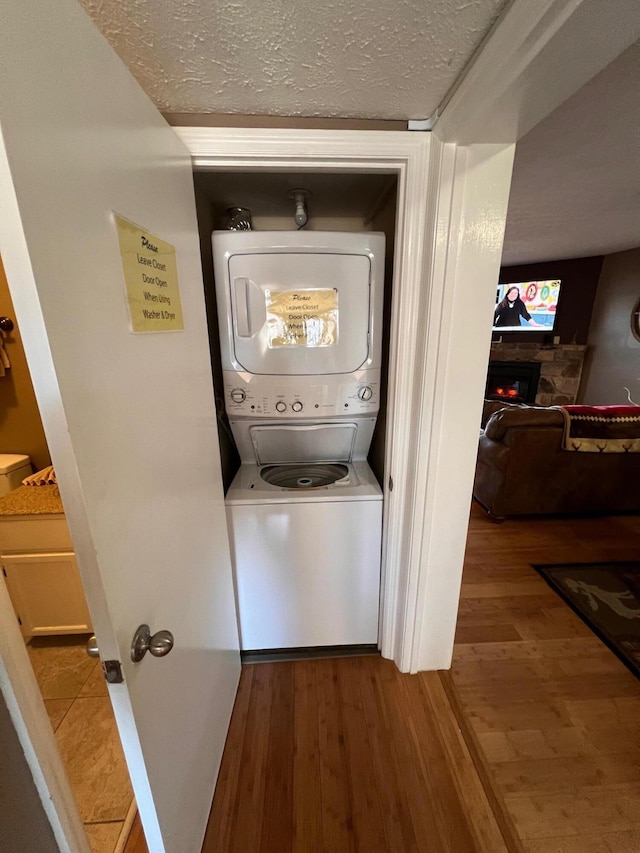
(560, 368)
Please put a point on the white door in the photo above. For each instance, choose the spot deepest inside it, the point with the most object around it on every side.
(331, 289)
(129, 416)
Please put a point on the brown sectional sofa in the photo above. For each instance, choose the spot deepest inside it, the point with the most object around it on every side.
(522, 469)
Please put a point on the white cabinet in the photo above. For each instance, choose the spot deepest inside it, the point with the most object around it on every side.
(318, 581)
(47, 593)
(42, 576)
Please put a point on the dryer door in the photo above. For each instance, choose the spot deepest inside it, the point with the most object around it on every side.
(300, 313)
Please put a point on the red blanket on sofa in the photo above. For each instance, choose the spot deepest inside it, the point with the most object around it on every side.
(601, 429)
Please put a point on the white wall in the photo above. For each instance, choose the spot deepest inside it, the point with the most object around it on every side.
(613, 355)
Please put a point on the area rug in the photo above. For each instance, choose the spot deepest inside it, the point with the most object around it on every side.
(606, 596)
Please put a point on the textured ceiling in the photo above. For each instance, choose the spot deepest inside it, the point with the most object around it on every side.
(576, 180)
(388, 59)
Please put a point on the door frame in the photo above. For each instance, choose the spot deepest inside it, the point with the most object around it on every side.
(450, 219)
(415, 158)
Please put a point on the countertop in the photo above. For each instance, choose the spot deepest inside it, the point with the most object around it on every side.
(32, 500)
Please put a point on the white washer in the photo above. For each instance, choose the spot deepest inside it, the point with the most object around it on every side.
(307, 560)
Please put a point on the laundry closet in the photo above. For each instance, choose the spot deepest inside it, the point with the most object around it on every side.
(301, 408)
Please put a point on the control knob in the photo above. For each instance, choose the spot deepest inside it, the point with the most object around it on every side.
(281, 406)
(238, 395)
(365, 393)
(297, 406)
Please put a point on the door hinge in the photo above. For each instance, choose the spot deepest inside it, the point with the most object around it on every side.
(390, 484)
(113, 671)
(4, 571)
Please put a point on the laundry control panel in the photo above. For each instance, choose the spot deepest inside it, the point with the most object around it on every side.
(255, 396)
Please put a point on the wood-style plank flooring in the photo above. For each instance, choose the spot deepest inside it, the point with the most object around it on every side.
(553, 713)
(345, 756)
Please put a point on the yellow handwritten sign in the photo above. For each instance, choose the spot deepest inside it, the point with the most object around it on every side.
(151, 279)
(302, 318)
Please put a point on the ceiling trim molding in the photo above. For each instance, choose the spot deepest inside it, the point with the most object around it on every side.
(235, 148)
(539, 53)
(287, 122)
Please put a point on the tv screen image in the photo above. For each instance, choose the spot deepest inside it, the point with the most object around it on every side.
(526, 306)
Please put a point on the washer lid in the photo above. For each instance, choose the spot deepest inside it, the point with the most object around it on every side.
(277, 444)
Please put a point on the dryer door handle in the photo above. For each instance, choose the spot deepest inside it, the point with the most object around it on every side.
(249, 306)
(243, 318)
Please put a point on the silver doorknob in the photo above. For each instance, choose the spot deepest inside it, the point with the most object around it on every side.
(92, 647)
(158, 644)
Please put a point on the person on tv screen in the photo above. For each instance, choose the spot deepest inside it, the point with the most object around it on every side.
(511, 309)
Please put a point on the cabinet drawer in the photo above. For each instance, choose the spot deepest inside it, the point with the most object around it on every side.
(34, 533)
(47, 593)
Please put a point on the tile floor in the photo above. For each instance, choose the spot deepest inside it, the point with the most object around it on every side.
(75, 695)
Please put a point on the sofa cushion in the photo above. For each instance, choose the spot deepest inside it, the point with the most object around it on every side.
(525, 416)
(490, 407)
(523, 470)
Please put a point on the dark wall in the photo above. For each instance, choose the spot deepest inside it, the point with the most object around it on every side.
(229, 458)
(24, 827)
(385, 220)
(613, 353)
(577, 295)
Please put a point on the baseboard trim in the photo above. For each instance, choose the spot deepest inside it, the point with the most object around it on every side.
(121, 843)
(502, 816)
(307, 653)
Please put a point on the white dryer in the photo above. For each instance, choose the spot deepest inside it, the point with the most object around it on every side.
(300, 317)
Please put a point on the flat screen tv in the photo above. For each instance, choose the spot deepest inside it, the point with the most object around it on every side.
(527, 306)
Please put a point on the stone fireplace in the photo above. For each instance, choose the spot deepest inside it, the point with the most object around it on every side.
(560, 369)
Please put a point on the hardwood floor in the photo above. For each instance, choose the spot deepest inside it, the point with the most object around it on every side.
(349, 755)
(553, 714)
(345, 756)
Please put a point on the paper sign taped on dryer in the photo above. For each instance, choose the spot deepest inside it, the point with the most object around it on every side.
(302, 318)
(151, 279)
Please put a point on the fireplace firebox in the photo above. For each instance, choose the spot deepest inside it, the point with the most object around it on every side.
(513, 381)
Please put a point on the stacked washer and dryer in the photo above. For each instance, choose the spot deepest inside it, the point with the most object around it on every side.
(300, 317)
